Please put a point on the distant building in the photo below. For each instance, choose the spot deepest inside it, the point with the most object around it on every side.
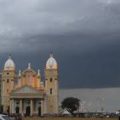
(0, 89)
(26, 93)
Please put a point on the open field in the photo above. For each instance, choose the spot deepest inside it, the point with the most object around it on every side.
(68, 118)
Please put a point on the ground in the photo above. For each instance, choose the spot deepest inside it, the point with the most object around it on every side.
(64, 118)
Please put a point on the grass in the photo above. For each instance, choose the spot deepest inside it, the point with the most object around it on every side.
(67, 118)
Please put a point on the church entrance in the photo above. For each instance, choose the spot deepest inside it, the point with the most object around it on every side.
(28, 111)
(8, 109)
(17, 110)
(1, 109)
(39, 111)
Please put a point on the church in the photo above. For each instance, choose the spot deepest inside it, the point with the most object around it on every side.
(26, 93)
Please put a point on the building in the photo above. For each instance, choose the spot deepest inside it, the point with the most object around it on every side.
(0, 90)
(26, 93)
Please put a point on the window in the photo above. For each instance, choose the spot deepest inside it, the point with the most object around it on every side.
(33, 75)
(51, 79)
(7, 73)
(50, 90)
(7, 80)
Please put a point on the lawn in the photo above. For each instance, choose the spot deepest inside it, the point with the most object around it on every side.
(67, 118)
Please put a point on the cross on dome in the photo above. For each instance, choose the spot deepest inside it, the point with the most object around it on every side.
(9, 56)
(51, 55)
(29, 65)
(38, 72)
(19, 72)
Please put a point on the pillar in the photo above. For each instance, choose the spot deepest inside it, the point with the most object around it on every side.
(21, 109)
(31, 107)
(2, 93)
(12, 106)
(44, 105)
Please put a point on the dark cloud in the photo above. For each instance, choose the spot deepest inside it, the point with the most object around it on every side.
(83, 35)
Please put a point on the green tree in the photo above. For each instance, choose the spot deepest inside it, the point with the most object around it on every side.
(71, 104)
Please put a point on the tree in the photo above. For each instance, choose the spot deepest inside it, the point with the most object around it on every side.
(71, 104)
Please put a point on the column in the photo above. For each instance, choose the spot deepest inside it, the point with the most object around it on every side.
(31, 107)
(10, 106)
(3, 92)
(13, 106)
(45, 105)
(42, 107)
(21, 109)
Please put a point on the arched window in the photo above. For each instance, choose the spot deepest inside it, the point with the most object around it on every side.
(51, 79)
(50, 90)
(7, 80)
(7, 73)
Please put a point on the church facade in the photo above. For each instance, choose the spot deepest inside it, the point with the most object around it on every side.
(26, 93)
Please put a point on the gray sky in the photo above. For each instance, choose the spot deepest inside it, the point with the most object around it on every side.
(93, 100)
(84, 36)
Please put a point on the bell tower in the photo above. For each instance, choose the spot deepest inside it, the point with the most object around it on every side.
(51, 85)
(8, 77)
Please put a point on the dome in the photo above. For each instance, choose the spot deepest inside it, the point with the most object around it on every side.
(51, 63)
(9, 64)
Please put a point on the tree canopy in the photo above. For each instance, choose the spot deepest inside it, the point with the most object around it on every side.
(71, 104)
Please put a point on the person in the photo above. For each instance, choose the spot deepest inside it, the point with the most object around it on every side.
(22, 114)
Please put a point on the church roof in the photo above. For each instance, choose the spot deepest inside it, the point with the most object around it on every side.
(29, 69)
(27, 92)
(51, 63)
(9, 64)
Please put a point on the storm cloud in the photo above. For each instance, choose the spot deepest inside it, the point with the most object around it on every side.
(83, 35)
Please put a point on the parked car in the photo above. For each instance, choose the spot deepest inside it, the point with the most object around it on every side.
(15, 117)
(4, 117)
